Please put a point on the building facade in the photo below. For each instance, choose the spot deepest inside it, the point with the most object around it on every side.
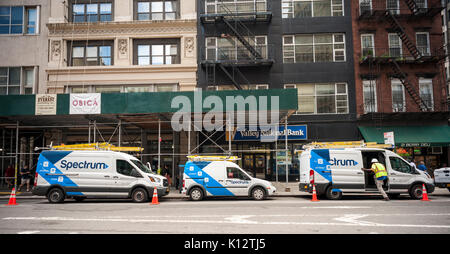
(400, 78)
(287, 44)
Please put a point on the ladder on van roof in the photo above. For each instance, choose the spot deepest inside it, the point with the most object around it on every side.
(212, 158)
(96, 147)
(345, 144)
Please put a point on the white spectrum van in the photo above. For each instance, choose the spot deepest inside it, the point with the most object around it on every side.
(335, 171)
(222, 178)
(101, 174)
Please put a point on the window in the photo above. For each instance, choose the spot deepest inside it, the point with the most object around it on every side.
(365, 6)
(398, 96)
(236, 173)
(255, 87)
(12, 20)
(122, 88)
(325, 98)
(90, 53)
(125, 168)
(367, 45)
(156, 10)
(236, 6)
(91, 10)
(156, 51)
(393, 6)
(423, 43)
(229, 48)
(311, 8)
(108, 89)
(426, 92)
(399, 165)
(16, 80)
(395, 45)
(308, 48)
(370, 96)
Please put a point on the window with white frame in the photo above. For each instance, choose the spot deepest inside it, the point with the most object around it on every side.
(322, 98)
(156, 9)
(393, 6)
(426, 92)
(312, 48)
(367, 45)
(365, 6)
(395, 45)
(312, 8)
(229, 48)
(423, 43)
(235, 6)
(370, 96)
(398, 96)
(17, 80)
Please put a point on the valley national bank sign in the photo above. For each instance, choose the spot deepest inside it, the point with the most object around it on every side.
(294, 132)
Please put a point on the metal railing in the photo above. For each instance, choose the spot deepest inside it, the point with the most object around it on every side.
(401, 53)
(242, 7)
(236, 53)
(396, 7)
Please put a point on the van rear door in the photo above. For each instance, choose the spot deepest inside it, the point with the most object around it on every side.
(346, 170)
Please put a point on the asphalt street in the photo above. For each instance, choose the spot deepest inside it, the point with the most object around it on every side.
(355, 214)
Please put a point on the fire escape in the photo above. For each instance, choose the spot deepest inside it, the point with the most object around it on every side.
(232, 20)
(380, 11)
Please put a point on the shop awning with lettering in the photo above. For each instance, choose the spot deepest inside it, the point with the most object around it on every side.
(409, 136)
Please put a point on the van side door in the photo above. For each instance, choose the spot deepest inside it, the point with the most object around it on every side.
(346, 173)
(237, 181)
(124, 178)
(401, 174)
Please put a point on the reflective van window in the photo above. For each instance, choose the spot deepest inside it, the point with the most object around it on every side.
(125, 168)
(399, 165)
(235, 173)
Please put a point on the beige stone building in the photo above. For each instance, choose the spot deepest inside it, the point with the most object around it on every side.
(121, 46)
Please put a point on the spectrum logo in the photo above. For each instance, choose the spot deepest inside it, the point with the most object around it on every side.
(83, 165)
(336, 162)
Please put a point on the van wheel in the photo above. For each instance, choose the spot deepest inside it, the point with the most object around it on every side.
(258, 193)
(55, 195)
(196, 194)
(416, 191)
(139, 195)
(333, 195)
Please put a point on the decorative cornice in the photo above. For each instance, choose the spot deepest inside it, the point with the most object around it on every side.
(124, 27)
(122, 69)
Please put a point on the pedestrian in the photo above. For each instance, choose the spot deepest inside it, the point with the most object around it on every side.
(25, 177)
(379, 176)
(411, 162)
(168, 174)
(422, 166)
(9, 174)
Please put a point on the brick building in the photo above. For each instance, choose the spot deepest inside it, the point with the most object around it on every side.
(400, 74)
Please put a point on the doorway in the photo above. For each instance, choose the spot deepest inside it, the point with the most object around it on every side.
(369, 176)
(255, 164)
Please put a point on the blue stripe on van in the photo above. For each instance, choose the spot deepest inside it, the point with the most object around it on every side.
(47, 170)
(320, 163)
(195, 171)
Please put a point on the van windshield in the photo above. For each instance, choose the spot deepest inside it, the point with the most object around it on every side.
(142, 166)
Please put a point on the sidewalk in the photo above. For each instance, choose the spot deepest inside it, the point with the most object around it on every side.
(174, 193)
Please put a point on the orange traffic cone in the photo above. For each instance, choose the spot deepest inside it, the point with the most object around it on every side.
(12, 198)
(424, 193)
(155, 197)
(314, 196)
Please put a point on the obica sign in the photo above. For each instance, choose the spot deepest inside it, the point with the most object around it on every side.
(87, 103)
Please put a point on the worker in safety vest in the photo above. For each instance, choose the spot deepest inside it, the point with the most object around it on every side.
(380, 174)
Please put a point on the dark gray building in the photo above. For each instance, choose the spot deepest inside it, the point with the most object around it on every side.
(305, 45)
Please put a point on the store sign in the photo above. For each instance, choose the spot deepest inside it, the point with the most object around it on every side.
(85, 103)
(45, 104)
(389, 138)
(294, 132)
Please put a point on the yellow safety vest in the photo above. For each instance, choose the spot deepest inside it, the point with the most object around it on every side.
(379, 170)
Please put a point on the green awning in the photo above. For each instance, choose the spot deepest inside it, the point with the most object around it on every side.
(409, 136)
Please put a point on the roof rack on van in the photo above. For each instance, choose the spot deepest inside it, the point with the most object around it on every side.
(212, 158)
(96, 147)
(345, 144)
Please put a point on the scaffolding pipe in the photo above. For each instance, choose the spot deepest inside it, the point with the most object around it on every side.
(286, 144)
(17, 159)
(120, 131)
(159, 145)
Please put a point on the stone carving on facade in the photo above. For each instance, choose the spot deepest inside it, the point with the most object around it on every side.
(189, 47)
(56, 49)
(123, 47)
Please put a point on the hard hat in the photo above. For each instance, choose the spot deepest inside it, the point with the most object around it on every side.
(374, 160)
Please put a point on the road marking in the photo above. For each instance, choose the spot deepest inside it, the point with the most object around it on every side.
(346, 220)
(28, 232)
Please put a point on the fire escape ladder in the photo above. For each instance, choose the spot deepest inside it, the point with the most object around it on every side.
(412, 6)
(403, 36)
(211, 74)
(408, 86)
(233, 75)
